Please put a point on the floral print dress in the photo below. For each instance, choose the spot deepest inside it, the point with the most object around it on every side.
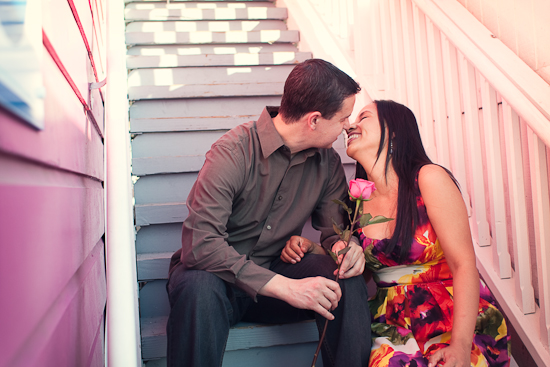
(413, 308)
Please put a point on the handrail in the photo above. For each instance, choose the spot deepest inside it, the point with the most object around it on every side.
(482, 112)
(527, 93)
(122, 321)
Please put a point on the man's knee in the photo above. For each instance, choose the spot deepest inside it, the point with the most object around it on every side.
(194, 287)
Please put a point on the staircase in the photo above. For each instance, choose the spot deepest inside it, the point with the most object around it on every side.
(196, 70)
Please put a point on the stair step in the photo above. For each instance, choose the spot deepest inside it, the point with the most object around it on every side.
(195, 1)
(210, 26)
(161, 198)
(176, 152)
(159, 238)
(198, 4)
(147, 214)
(207, 37)
(196, 114)
(241, 336)
(239, 59)
(196, 82)
(230, 49)
(152, 266)
(153, 299)
(246, 13)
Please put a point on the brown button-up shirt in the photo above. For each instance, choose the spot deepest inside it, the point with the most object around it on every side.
(251, 196)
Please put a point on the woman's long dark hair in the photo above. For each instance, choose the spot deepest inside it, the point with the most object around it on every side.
(407, 156)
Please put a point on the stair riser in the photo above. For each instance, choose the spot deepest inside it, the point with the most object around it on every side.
(252, 13)
(196, 114)
(276, 58)
(205, 37)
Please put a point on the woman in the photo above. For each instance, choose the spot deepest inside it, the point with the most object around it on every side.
(428, 309)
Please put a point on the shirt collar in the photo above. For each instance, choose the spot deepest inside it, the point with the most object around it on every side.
(269, 137)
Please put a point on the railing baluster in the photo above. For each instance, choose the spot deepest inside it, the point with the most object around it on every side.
(438, 93)
(387, 50)
(409, 58)
(538, 158)
(501, 258)
(473, 151)
(454, 118)
(525, 297)
(397, 51)
(425, 94)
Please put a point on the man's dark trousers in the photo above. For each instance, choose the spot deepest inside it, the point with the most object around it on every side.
(204, 307)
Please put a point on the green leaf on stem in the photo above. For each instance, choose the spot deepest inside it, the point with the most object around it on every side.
(364, 220)
(344, 250)
(334, 256)
(345, 235)
(344, 205)
(379, 219)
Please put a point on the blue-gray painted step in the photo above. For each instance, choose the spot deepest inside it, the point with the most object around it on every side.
(197, 114)
(157, 50)
(196, 82)
(148, 4)
(158, 238)
(239, 59)
(211, 26)
(155, 153)
(242, 336)
(207, 37)
(142, 12)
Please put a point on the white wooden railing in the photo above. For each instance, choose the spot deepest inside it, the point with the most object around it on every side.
(482, 112)
(123, 341)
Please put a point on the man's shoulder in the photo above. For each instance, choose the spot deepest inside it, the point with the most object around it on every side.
(238, 137)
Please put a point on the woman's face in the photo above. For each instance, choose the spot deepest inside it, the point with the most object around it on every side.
(364, 133)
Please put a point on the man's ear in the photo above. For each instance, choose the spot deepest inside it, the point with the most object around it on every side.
(312, 119)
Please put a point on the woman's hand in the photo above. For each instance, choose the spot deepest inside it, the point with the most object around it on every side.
(296, 248)
(454, 356)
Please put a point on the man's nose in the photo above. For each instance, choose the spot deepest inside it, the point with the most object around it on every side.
(346, 125)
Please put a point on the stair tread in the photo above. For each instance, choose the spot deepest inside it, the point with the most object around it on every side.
(210, 26)
(196, 82)
(244, 335)
(216, 75)
(225, 13)
(207, 37)
(238, 59)
(197, 114)
(197, 4)
(157, 50)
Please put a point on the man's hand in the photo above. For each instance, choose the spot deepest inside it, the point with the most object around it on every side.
(318, 294)
(296, 248)
(353, 262)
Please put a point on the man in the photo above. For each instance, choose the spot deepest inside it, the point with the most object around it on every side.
(259, 185)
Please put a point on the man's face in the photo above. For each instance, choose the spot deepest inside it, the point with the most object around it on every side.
(329, 130)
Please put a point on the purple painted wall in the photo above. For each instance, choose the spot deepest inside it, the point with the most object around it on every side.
(52, 265)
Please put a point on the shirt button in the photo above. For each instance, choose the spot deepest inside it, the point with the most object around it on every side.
(280, 198)
(268, 227)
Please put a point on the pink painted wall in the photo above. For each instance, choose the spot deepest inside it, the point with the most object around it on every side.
(52, 265)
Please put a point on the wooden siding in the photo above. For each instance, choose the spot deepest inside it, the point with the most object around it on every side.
(52, 208)
(523, 26)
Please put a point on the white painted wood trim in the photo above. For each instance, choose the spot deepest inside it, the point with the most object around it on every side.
(501, 256)
(123, 339)
(473, 151)
(525, 297)
(527, 93)
(538, 158)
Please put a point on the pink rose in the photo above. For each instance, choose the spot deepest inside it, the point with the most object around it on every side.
(360, 189)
